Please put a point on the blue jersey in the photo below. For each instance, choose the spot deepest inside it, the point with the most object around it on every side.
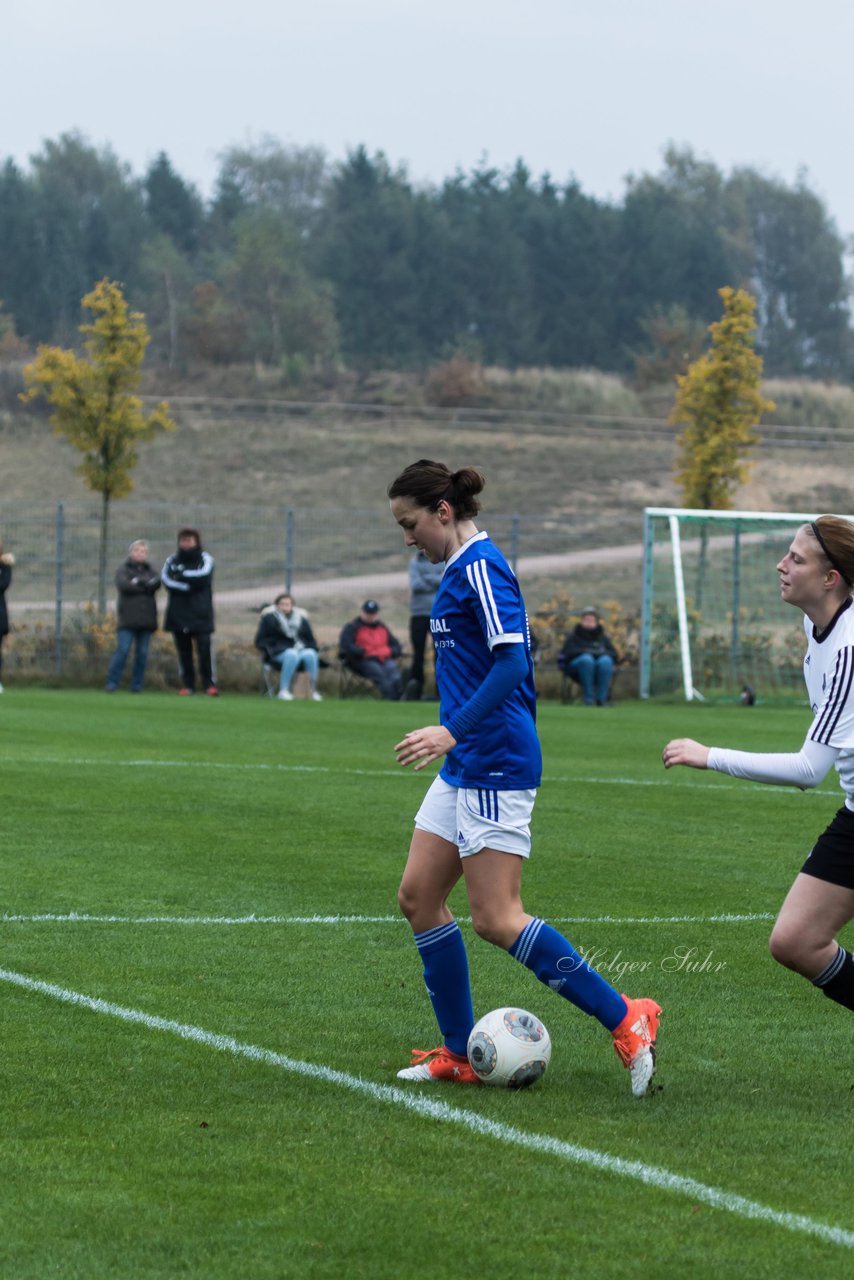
(479, 605)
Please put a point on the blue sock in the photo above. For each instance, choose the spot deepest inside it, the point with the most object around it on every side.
(557, 964)
(446, 977)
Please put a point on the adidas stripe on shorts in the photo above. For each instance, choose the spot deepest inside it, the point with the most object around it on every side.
(475, 818)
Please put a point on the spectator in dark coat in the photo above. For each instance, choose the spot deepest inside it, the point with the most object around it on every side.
(188, 577)
(589, 658)
(370, 649)
(286, 639)
(136, 616)
(6, 562)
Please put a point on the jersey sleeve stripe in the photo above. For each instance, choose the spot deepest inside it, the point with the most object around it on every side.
(478, 576)
(506, 637)
(840, 690)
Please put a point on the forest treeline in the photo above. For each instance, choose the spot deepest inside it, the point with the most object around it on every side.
(302, 263)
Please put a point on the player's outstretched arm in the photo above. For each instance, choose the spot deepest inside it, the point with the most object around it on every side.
(685, 751)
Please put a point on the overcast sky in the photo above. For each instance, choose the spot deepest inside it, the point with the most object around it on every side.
(583, 89)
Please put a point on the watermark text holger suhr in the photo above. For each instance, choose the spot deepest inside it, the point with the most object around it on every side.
(681, 959)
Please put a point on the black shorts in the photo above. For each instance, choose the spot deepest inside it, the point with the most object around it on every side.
(832, 858)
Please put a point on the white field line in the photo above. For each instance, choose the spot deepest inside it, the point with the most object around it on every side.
(415, 1102)
(81, 917)
(584, 780)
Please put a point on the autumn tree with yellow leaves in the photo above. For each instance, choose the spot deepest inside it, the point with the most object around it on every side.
(94, 407)
(719, 404)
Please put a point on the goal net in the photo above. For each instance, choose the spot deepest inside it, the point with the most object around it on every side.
(713, 625)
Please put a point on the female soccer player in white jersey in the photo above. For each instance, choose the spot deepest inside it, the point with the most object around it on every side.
(474, 820)
(816, 575)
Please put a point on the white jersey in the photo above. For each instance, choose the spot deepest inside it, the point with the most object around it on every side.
(829, 676)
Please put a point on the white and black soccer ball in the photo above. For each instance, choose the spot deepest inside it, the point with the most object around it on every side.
(509, 1048)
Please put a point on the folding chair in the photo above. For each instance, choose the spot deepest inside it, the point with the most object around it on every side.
(269, 680)
(353, 685)
(570, 689)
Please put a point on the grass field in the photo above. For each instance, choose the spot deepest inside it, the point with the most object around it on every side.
(206, 993)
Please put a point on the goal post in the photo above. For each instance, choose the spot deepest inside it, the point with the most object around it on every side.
(712, 619)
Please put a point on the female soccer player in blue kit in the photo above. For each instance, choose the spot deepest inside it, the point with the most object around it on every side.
(474, 820)
(817, 576)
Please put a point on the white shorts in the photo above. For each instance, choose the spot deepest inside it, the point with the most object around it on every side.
(475, 818)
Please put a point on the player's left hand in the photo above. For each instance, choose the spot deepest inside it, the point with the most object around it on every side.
(424, 746)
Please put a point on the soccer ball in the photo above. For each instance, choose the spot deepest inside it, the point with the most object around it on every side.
(509, 1048)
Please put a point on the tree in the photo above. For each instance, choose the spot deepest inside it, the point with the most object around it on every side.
(173, 206)
(366, 249)
(720, 402)
(673, 340)
(675, 249)
(12, 347)
(94, 407)
(290, 181)
(166, 288)
(287, 314)
(797, 274)
(91, 222)
(22, 286)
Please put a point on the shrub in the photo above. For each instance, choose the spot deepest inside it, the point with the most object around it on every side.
(457, 383)
(810, 404)
(556, 617)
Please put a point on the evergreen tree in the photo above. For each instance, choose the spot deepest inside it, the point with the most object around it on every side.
(365, 249)
(173, 206)
(91, 224)
(21, 260)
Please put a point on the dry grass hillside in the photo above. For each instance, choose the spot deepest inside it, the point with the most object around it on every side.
(536, 465)
(578, 478)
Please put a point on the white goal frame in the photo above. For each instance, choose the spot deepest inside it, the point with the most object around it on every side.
(676, 518)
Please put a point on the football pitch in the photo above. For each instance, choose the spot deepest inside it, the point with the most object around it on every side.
(207, 991)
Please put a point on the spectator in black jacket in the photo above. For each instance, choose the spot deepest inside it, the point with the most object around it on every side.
(188, 577)
(286, 639)
(370, 649)
(136, 616)
(6, 562)
(589, 658)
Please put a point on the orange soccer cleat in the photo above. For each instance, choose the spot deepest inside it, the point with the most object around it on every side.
(439, 1064)
(634, 1041)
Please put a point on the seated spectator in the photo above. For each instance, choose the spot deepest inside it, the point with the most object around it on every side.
(588, 657)
(369, 648)
(286, 640)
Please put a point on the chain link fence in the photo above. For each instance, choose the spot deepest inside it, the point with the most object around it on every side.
(331, 559)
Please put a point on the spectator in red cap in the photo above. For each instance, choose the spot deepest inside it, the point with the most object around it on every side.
(368, 647)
